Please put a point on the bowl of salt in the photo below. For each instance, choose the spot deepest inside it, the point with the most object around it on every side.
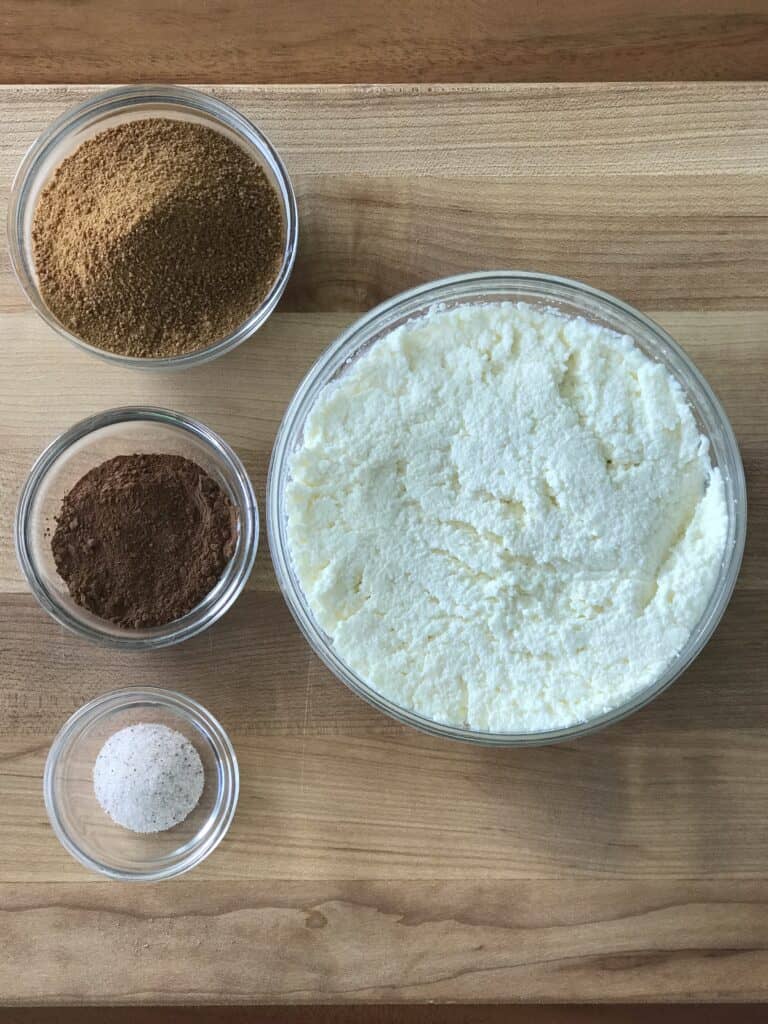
(141, 784)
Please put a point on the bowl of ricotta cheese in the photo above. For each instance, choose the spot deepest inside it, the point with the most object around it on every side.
(507, 508)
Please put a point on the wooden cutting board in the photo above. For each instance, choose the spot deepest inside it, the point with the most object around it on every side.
(368, 862)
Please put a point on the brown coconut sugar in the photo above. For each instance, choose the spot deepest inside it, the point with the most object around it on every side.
(141, 539)
(156, 237)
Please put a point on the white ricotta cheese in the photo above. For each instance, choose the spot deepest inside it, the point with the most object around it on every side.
(505, 519)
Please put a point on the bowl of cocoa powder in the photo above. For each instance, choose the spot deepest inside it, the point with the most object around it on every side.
(153, 226)
(137, 528)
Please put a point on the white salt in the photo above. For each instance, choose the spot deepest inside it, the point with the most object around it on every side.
(148, 777)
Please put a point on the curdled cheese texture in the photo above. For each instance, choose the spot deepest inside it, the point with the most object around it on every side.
(505, 519)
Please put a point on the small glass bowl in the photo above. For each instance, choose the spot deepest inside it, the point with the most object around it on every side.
(87, 831)
(107, 110)
(569, 298)
(88, 444)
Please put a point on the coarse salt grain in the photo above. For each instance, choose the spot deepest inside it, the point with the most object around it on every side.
(148, 777)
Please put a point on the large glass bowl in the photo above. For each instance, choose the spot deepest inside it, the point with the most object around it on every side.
(134, 429)
(569, 298)
(85, 829)
(107, 110)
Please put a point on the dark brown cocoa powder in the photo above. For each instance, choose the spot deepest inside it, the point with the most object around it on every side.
(141, 539)
(156, 238)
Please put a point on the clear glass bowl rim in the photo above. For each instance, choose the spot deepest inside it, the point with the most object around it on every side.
(127, 98)
(477, 287)
(187, 707)
(199, 618)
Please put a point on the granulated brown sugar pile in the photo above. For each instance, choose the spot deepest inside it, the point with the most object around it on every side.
(141, 539)
(156, 238)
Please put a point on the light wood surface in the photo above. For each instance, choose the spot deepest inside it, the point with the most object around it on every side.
(364, 41)
(367, 862)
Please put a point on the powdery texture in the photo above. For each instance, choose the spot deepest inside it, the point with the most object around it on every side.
(148, 777)
(156, 237)
(141, 539)
(505, 519)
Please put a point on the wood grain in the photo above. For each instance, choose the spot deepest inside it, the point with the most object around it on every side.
(610, 184)
(384, 941)
(358, 40)
(368, 863)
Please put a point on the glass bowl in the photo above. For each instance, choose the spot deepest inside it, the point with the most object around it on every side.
(85, 829)
(570, 298)
(93, 441)
(107, 110)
